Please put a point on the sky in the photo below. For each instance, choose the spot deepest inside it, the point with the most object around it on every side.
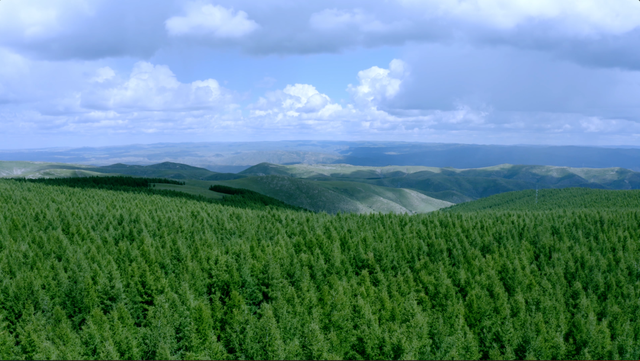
(97, 73)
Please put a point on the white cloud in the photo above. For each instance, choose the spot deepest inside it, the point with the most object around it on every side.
(304, 98)
(297, 108)
(57, 99)
(295, 100)
(149, 99)
(377, 84)
(155, 87)
(301, 109)
(210, 20)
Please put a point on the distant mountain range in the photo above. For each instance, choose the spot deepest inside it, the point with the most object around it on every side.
(235, 157)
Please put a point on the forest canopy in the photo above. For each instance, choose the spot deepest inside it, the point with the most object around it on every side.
(236, 197)
(104, 274)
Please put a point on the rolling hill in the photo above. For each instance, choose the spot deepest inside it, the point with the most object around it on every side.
(459, 185)
(555, 199)
(44, 170)
(334, 188)
(166, 170)
(330, 197)
(170, 170)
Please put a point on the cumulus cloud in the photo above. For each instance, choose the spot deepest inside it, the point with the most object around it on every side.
(304, 108)
(379, 107)
(155, 87)
(82, 100)
(377, 84)
(386, 103)
(210, 20)
(298, 101)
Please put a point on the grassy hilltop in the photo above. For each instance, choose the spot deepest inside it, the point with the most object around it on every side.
(106, 274)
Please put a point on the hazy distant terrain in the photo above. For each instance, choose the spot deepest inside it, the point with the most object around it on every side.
(476, 156)
(235, 157)
(220, 157)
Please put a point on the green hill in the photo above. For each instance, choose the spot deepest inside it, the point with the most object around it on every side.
(330, 197)
(336, 196)
(100, 274)
(59, 170)
(43, 170)
(334, 188)
(233, 197)
(555, 199)
(461, 185)
(166, 170)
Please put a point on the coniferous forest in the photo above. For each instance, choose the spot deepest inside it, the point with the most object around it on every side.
(234, 197)
(91, 273)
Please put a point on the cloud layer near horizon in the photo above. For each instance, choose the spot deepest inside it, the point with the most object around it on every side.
(487, 71)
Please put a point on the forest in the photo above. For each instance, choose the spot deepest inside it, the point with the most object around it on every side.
(94, 273)
(234, 197)
(555, 199)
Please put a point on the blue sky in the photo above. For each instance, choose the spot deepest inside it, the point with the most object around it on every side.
(96, 72)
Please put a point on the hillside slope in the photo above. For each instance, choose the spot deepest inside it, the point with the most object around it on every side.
(170, 170)
(331, 197)
(336, 196)
(460, 185)
(166, 170)
(555, 199)
(43, 170)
